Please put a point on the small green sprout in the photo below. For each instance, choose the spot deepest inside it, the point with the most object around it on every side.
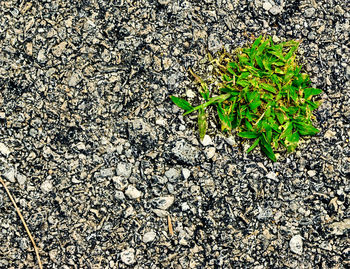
(262, 94)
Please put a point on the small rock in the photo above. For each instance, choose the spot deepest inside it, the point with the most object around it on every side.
(267, 6)
(107, 172)
(2, 116)
(21, 179)
(276, 39)
(275, 10)
(127, 256)
(4, 150)
(46, 186)
(75, 78)
(329, 134)
(210, 152)
(124, 169)
(41, 56)
(119, 195)
(309, 12)
(214, 43)
(58, 49)
(296, 244)
(338, 228)
(172, 174)
(272, 175)
(120, 183)
(149, 237)
(185, 206)
(206, 141)
(130, 211)
(80, 146)
(160, 213)
(10, 174)
(132, 192)
(163, 202)
(186, 173)
(311, 173)
(163, 2)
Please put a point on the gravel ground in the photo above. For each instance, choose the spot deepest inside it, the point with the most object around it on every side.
(101, 162)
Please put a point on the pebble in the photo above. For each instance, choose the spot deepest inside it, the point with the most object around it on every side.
(21, 178)
(149, 237)
(120, 183)
(160, 213)
(4, 150)
(172, 174)
(275, 10)
(296, 244)
(10, 174)
(309, 12)
(46, 186)
(75, 78)
(132, 192)
(124, 169)
(210, 152)
(128, 256)
(207, 141)
(267, 6)
(186, 173)
(329, 134)
(311, 173)
(107, 172)
(163, 202)
(272, 175)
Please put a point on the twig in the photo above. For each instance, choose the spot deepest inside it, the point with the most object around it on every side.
(24, 223)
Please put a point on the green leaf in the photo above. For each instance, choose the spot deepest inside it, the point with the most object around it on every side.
(288, 128)
(266, 148)
(292, 141)
(311, 91)
(256, 142)
(216, 99)
(268, 87)
(255, 104)
(280, 116)
(305, 129)
(248, 135)
(181, 103)
(202, 123)
(248, 125)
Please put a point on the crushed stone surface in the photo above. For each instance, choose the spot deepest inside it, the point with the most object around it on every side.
(108, 173)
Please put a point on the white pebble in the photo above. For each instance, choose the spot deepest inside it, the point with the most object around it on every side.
(186, 173)
(207, 141)
(4, 150)
(127, 256)
(46, 186)
(296, 244)
(149, 237)
(267, 6)
(132, 192)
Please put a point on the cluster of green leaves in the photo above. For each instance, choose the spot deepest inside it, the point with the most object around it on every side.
(263, 95)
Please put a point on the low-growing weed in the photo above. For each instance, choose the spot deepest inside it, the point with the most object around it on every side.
(262, 94)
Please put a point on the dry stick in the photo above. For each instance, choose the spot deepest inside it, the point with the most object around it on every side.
(24, 223)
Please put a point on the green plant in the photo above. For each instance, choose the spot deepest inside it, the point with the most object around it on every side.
(262, 94)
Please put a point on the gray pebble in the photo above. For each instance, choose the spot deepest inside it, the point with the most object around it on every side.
(172, 174)
(309, 12)
(124, 169)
